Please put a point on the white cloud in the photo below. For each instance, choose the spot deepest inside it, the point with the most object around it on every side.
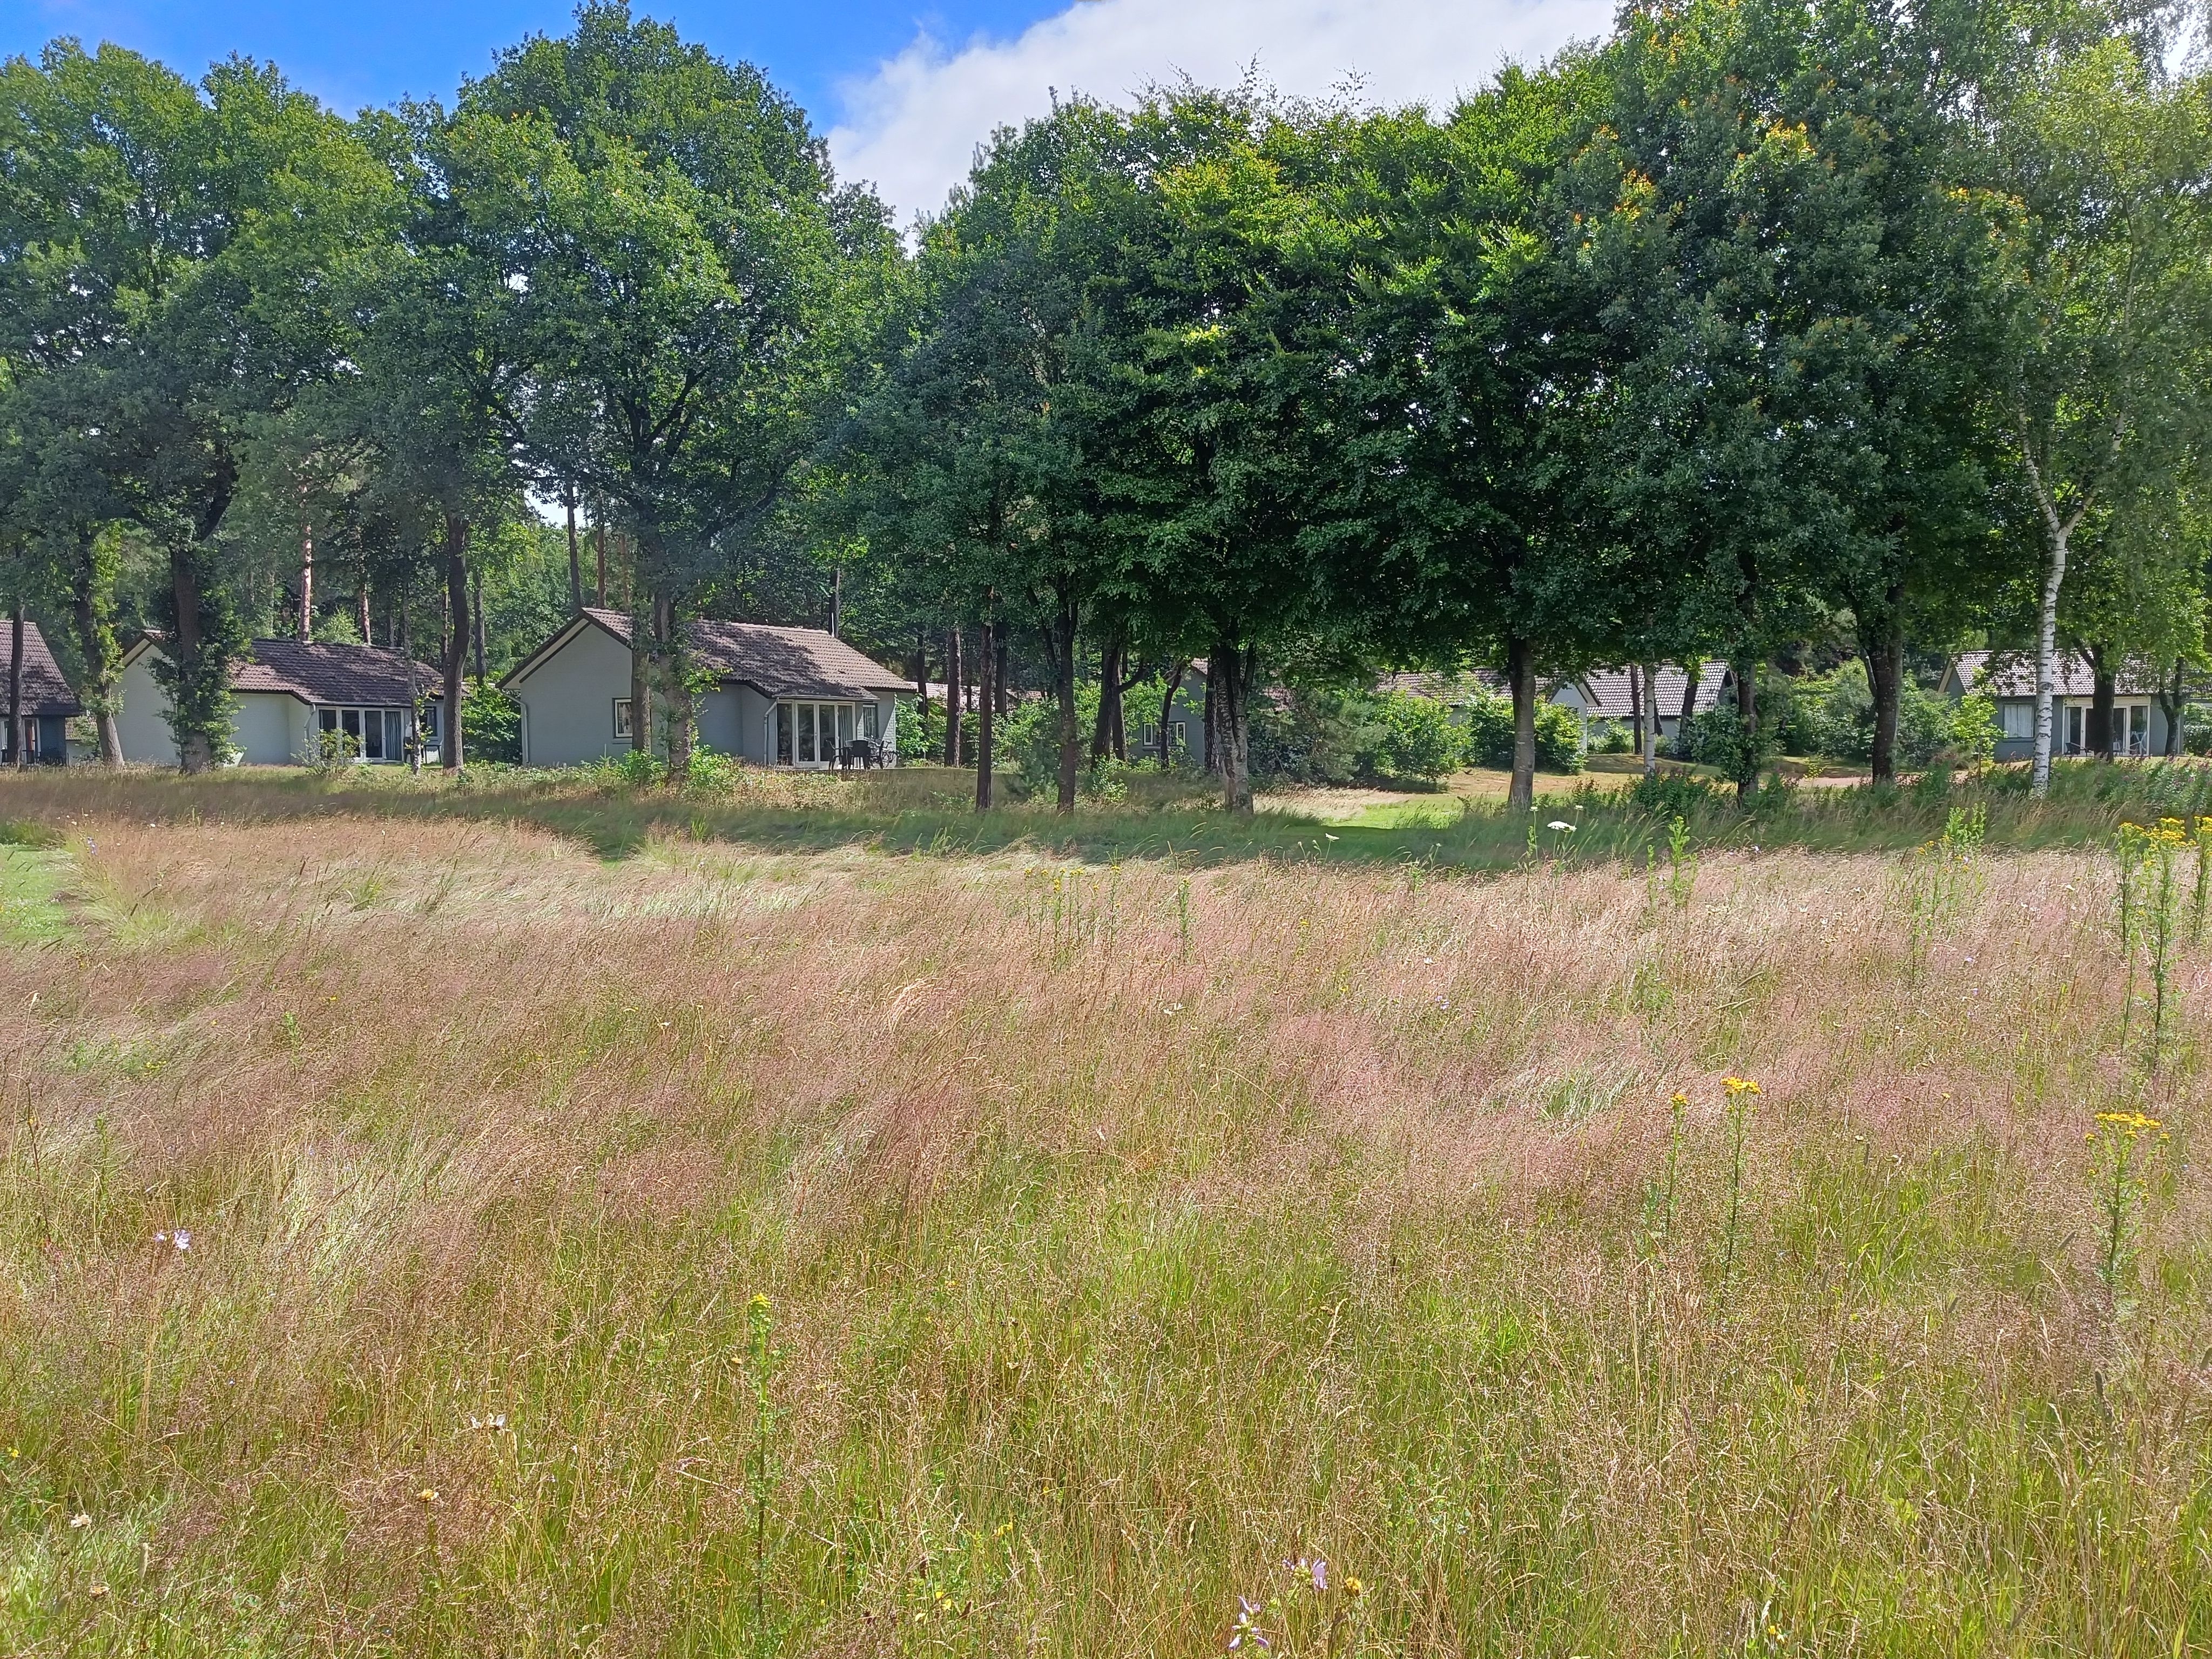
(912, 126)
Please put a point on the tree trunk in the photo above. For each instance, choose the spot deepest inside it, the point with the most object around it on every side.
(476, 621)
(1229, 673)
(1521, 676)
(1176, 672)
(2170, 701)
(575, 559)
(1693, 672)
(17, 747)
(953, 671)
(92, 641)
(1208, 723)
(919, 667)
(1110, 656)
(456, 640)
(307, 583)
(676, 689)
(195, 748)
(986, 708)
(1884, 659)
(1071, 738)
(1636, 703)
(361, 605)
(2047, 632)
(1647, 748)
(1002, 676)
(641, 679)
(1746, 714)
(2104, 690)
(600, 546)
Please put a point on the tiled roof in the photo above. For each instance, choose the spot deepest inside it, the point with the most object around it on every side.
(369, 675)
(2012, 674)
(782, 662)
(45, 691)
(334, 673)
(1608, 688)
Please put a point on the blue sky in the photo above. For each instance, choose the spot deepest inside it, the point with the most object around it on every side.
(356, 54)
(903, 89)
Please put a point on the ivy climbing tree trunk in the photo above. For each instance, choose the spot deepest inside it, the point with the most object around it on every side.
(455, 666)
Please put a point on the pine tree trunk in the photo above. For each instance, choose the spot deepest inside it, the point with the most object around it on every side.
(987, 709)
(575, 558)
(1693, 672)
(1521, 675)
(361, 605)
(456, 639)
(307, 583)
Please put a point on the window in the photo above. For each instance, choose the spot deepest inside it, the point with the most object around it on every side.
(622, 718)
(821, 733)
(371, 734)
(1182, 735)
(2019, 719)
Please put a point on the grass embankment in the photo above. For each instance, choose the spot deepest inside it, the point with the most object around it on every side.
(1130, 1238)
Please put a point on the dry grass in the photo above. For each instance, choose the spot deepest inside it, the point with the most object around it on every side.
(1129, 1231)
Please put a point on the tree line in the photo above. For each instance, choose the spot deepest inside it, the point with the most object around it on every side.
(1749, 322)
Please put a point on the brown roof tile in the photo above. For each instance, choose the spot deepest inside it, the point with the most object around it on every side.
(45, 691)
(782, 662)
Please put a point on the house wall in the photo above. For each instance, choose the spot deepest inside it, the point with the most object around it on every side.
(720, 714)
(569, 701)
(887, 726)
(752, 712)
(2017, 749)
(261, 732)
(142, 723)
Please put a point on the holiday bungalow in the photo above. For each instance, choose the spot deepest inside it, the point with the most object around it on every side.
(48, 702)
(2138, 721)
(1605, 694)
(777, 697)
(288, 695)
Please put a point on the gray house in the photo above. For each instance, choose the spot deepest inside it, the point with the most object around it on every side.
(781, 696)
(48, 702)
(2138, 722)
(286, 696)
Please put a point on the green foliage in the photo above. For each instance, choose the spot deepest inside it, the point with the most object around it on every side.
(1416, 738)
(1717, 738)
(1831, 716)
(1490, 734)
(1974, 729)
(1029, 737)
(491, 723)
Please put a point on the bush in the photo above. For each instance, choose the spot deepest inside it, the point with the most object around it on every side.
(1415, 737)
(1612, 738)
(1030, 737)
(1832, 715)
(491, 723)
(1314, 735)
(1490, 734)
(1717, 738)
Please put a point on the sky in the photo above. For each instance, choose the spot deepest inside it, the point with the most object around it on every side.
(903, 91)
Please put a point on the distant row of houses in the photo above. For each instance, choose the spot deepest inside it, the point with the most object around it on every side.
(801, 697)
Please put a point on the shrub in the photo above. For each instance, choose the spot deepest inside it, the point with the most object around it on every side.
(1608, 737)
(1415, 737)
(491, 723)
(1833, 714)
(1490, 734)
(1030, 737)
(1717, 738)
(1314, 734)
(1974, 729)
